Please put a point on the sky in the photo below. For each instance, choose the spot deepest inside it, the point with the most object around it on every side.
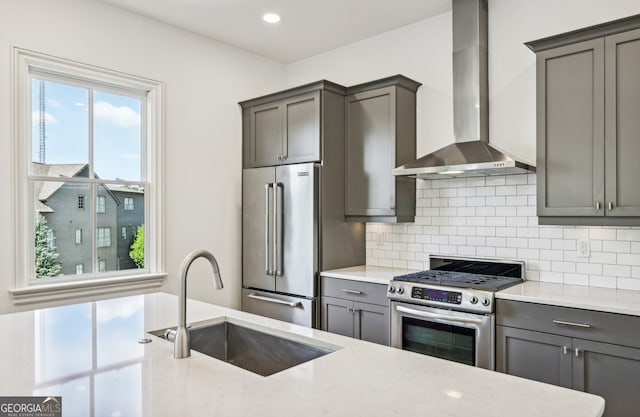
(116, 132)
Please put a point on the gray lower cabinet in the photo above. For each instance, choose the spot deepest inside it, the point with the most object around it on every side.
(588, 100)
(355, 309)
(380, 135)
(589, 351)
(287, 127)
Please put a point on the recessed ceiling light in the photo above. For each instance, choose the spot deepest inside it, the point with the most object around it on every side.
(271, 18)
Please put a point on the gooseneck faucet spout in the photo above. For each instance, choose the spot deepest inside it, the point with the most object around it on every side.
(181, 345)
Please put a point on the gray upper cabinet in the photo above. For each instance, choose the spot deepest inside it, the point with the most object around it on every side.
(380, 134)
(588, 129)
(286, 127)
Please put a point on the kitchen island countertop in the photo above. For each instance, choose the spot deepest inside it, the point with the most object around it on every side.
(90, 355)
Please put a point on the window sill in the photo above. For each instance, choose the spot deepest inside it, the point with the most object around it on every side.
(77, 289)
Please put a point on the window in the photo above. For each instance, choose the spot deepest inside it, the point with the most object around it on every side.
(79, 269)
(103, 237)
(128, 203)
(123, 232)
(83, 135)
(101, 204)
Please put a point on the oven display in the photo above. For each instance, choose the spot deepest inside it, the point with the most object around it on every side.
(449, 297)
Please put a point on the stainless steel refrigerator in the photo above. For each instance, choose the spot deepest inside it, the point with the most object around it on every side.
(293, 227)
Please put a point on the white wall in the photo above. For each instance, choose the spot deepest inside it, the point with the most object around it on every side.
(203, 81)
(475, 217)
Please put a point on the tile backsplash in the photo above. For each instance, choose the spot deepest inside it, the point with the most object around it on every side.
(496, 217)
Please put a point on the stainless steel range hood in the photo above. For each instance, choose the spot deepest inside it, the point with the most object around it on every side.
(470, 155)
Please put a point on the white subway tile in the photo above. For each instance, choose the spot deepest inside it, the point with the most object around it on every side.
(495, 180)
(467, 231)
(486, 191)
(629, 234)
(499, 242)
(457, 202)
(496, 221)
(528, 254)
(486, 251)
(623, 271)
(431, 193)
(602, 233)
(560, 266)
(531, 178)
(477, 221)
(604, 282)
(551, 255)
(532, 275)
(589, 268)
(431, 230)
(476, 201)
(440, 239)
(526, 211)
(517, 200)
(629, 259)
(457, 182)
(563, 244)
(476, 182)
(402, 264)
(485, 211)
(430, 212)
(538, 265)
(466, 192)
(444, 183)
(408, 256)
(517, 179)
(616, 246)
(486, 231)
(635, 272)
(576, 279)
(457, 221)
(373, 261)
(506, 253)
(414, 230)
(457, 240)
(606, 258)
(595, 245)
(527, 232)
(517, 221)
(526, 190)
(506, 232)
(448, 192)
(423, 185)
(552, 232)
(573, 233)
(532, 200)
(386, 262)
(377, 253)
(448, 211)
(506, 190)
(629, 284)
(431, 248)
(440, 221)
(418, 265)
(448, 250)
(496, 201)
(392, 237)
(554, 277)
(439, 202)
(448, 230)
(540, 243)
(635, 247)
(423, 239)
(506, 211)
(391, 254)
(477, 240)
(517, 243)
(467, 211)
(466, 251)
(423, 256)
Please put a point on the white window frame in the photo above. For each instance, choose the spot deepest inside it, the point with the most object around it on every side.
(79, 269)
(78, 236)
(103, 237)
(27, 289)
(123, 232)
(101, 204)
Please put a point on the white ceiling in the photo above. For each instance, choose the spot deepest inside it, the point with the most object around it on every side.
(308, 27)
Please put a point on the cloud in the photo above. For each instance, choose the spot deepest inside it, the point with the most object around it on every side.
(48, 117)
(53, 103)
(118, 116)
(118, 308)
(132, 156)
(79, 104)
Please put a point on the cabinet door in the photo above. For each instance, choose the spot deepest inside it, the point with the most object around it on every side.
(371, 323)
(534, 355)
(610, 371)
(370, 119)
(570, 129)
(263, 146)
(337, 316)
(622, 123)
(302, 128)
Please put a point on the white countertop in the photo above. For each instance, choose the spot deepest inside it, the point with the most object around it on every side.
(90, 355)
(576, 296)
(367, 273)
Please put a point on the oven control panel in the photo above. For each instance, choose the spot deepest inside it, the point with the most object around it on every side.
(441, 296)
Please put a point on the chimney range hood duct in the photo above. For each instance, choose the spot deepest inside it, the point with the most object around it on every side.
(470, 155)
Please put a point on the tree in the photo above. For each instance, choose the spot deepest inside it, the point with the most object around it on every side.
(47, 263)
(137, 248)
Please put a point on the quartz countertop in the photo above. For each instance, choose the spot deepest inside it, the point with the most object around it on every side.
(575, 296)
(367, 273)
(89, 354)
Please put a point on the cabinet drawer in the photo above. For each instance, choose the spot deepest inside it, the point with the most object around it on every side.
(347, 289)
(598, 326)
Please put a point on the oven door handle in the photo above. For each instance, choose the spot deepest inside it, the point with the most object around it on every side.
(437, 316)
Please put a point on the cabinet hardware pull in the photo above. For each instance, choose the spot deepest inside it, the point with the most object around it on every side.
(564, 350)
(610, 205)
(570, 323)
(351, 291)
(577, 352)
(278, 230)
(598, 205)
(267, 246)
(275, 300)
(442, 317)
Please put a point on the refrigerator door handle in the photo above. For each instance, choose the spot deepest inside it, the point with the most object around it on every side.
(278, 235)
(292, 304)
(267, 246)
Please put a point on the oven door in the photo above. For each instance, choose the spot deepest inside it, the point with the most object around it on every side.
(454, 335)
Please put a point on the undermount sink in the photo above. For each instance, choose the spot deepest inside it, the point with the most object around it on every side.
(259, 352)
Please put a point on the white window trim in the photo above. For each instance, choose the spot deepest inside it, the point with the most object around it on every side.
(26, 291)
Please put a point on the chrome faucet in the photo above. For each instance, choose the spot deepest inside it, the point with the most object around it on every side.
(181, 344)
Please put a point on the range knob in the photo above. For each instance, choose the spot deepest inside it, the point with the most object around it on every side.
(400, 290)
(486, 302)
(473, 299)
(392, 290)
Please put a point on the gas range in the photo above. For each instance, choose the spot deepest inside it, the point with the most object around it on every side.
(456, 283)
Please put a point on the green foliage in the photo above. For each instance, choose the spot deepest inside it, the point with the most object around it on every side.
(137, 248)
(47, 263)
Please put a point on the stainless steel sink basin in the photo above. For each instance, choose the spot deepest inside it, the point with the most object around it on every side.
(262, 353)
